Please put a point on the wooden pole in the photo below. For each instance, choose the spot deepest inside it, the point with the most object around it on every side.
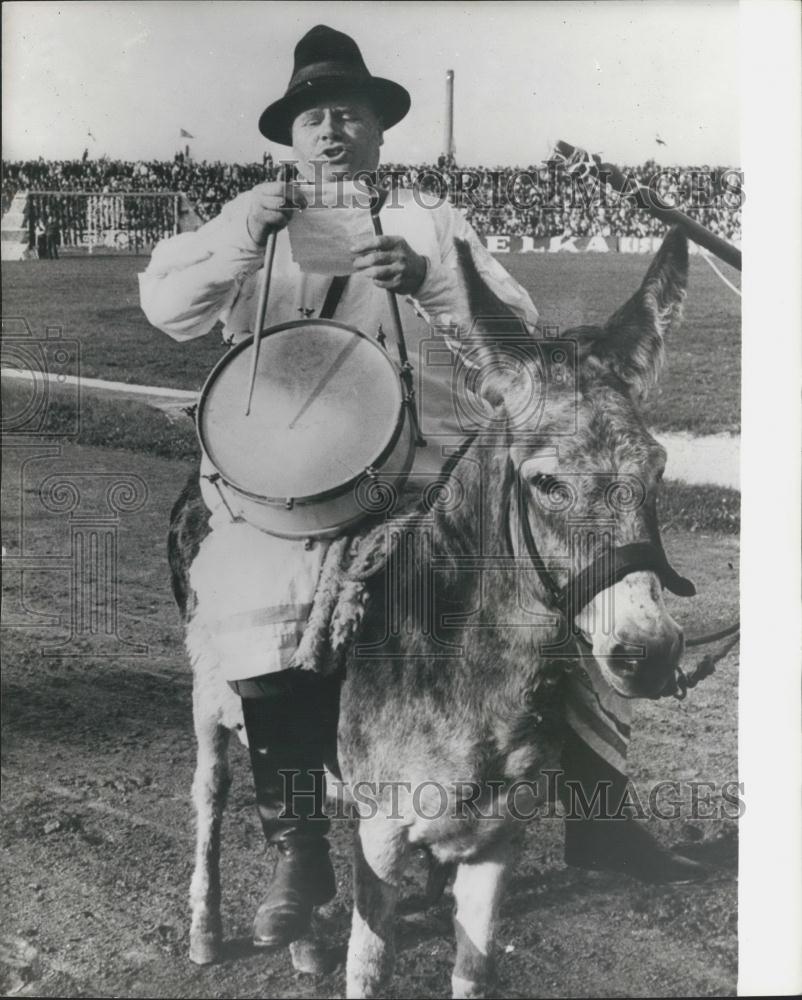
(649, 200)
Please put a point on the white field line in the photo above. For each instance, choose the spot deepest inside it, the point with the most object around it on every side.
(711, 459)
(23, 374)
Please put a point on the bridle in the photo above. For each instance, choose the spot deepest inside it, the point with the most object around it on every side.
(610, 567)
(607, 569)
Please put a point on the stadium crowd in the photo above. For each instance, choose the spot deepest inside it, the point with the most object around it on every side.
(510, 200)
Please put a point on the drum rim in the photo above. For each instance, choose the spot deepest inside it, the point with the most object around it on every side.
(340, 528)
(334, 491)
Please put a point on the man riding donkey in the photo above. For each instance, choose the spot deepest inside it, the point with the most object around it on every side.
(334, 114)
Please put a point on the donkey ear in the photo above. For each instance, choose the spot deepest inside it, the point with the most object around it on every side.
(491, 334)
(632, 343)
(482, 302)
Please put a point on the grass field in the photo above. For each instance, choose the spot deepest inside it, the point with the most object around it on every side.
(96, 302)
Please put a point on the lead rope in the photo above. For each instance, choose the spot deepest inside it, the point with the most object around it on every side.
(706, 666)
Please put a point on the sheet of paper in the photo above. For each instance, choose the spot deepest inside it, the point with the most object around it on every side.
(322, 234)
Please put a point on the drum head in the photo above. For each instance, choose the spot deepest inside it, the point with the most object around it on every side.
(326, 405)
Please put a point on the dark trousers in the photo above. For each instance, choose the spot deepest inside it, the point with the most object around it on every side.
(291, 723)
(590, 788)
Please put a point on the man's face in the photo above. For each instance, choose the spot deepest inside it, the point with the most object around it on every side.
(343, 135)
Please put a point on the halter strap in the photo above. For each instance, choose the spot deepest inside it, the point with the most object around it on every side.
(604, 571)
(340, 281)
(613, 565)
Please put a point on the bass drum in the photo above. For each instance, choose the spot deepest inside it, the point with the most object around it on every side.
(327, 441)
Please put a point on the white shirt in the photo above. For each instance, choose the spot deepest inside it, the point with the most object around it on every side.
(195, 279)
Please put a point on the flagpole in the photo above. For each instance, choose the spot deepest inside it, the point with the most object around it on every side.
(183, 134)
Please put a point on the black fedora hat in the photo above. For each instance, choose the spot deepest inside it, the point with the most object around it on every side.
(328, 62)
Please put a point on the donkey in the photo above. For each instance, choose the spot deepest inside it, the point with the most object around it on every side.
(540, 548)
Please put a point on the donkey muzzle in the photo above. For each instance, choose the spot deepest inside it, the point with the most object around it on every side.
(644, 667)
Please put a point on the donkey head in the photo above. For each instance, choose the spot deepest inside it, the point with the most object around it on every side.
(585, 468)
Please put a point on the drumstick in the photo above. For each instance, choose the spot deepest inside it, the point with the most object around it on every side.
(395, 315)
(261, 309)
(406, 367)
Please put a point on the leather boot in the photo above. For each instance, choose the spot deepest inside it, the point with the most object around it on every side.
(602, 843)
(291, 719)
(302, 879)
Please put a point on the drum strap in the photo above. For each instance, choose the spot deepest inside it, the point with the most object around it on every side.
(333, 295)
(339, 281)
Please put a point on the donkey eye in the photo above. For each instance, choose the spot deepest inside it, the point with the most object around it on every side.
(555, 495)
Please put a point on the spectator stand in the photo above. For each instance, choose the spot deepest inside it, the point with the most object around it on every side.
(530, 203)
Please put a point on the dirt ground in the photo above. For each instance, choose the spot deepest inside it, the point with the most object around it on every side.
(96, 829)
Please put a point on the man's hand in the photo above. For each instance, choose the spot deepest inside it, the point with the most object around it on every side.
(271, 207)
(391, 262)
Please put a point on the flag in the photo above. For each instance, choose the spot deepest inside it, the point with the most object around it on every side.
(89, 133)
(185, 135)
(659, 141)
